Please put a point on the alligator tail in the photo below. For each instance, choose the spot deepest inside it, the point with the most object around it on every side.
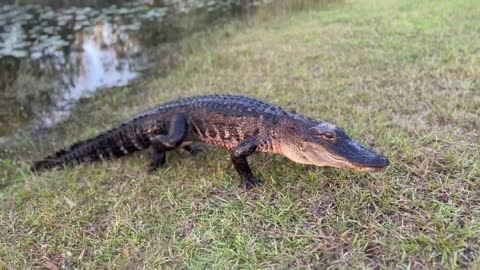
(114, 143)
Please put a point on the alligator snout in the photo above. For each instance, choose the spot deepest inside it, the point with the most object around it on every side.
(383, 161)
(379, 161)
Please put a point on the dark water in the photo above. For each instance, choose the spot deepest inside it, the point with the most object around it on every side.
(52, 56)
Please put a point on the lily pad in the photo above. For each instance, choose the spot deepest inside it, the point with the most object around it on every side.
(64, 18)
(101, 18)
(6, 8)
(24, 17)
(110, 10)
(137, 9)
(11, 14)
(56, 41)
(130, 27)
(21, 45)
(84, 11)
(49, 30)
(78, 27)
(15, 53)
(50, 15)
(43, 37)
(36, 55)
(155, 13)
(71, 10)
(123, 11)
(81, 17)
(93, 13)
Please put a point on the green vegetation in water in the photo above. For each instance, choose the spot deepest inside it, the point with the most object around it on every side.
(401, 76)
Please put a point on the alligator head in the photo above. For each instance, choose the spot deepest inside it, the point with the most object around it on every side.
(325, 144)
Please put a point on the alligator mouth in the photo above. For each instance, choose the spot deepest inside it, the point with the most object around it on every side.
(363, 167)
(360, 168)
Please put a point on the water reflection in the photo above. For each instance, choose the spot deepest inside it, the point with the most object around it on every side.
(105, 59)
(104, 56)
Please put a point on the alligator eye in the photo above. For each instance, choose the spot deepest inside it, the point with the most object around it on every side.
(328, 136)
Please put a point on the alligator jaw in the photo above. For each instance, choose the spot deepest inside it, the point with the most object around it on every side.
(384, 162)
(359, 159)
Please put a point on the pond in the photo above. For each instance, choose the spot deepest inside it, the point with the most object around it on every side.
(53, 56)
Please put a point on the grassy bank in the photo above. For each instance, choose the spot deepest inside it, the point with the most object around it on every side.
(400, 76)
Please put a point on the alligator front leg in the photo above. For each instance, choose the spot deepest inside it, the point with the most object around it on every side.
(160, 144)
(239, 160)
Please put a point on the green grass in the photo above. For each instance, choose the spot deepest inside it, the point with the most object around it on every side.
(403, 76)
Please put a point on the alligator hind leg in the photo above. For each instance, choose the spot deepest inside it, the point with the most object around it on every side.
(239, 160)
(160, 144)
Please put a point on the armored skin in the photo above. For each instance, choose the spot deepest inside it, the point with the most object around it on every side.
(242, 125)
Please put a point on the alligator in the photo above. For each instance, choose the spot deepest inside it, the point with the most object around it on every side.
(243, 125)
